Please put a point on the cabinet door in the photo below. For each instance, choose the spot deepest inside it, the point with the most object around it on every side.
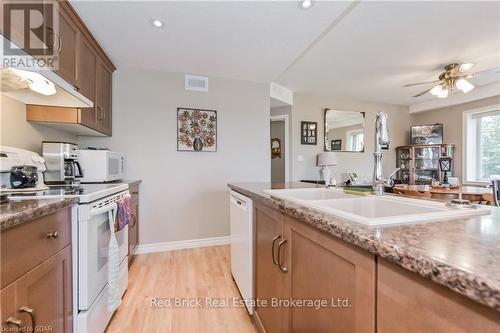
(67, 41)
(103, 98)
(86, 79)
(328, 270)
(9, 319)
(46, 290)
(421, 305)
(269, 278)
(133, 234)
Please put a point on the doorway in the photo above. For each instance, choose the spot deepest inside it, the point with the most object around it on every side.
(280, 152)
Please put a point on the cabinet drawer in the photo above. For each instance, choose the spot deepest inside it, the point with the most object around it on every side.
(29, 244)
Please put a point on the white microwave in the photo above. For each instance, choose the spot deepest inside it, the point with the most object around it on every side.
(100, 166)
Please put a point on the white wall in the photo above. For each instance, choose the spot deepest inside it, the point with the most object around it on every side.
(17, 132)
(451, 118)
(308, 107)
(184, 194)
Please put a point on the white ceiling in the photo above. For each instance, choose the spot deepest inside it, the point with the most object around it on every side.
(245, 40)
(381, 46)
(367, 53)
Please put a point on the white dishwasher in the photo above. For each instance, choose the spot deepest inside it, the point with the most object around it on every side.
(242, 245)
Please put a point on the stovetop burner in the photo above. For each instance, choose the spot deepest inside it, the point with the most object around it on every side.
(84, 192)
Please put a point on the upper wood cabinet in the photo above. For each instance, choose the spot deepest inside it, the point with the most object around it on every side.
(103, 99)
(86, 79)
(66, 44)
(82, 63)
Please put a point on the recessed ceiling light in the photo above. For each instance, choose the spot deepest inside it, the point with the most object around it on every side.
(157, 23)
(306, 4)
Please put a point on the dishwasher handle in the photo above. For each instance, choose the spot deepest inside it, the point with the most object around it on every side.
(239, 203)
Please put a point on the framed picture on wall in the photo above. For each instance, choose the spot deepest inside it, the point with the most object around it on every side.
(308, 133)
(427, 134)
(336, 144)
(196, 130)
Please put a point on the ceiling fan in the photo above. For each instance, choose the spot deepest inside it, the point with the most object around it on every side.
(453, 77)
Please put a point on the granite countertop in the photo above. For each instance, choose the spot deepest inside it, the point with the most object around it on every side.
(15, 212)
(130, 181)
(461, 254)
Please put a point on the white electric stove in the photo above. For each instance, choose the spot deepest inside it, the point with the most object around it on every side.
(90, 238)
(85, 192)
(90, 235)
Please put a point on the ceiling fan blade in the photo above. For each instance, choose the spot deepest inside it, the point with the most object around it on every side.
(423, 92)
(487, 71)
(417, 84)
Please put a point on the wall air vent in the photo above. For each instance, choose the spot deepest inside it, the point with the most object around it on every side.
(196, 82)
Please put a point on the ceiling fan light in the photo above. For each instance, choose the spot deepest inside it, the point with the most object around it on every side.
(437, 90)
(464, 85)
(443, 93)
(465, 67)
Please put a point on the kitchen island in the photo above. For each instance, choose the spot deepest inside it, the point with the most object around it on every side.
(434, 276)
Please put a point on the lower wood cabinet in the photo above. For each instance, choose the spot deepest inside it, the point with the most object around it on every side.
(320, 283)
(407, 302)
(133, 227)
(38, 299)
(315, 283)
(270, 280)
(339, 278)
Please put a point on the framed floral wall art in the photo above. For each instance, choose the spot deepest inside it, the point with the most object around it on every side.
(196, 130)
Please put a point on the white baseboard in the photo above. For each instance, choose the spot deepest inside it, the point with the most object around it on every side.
(178, 245)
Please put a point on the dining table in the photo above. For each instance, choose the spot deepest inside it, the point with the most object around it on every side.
(471, 193)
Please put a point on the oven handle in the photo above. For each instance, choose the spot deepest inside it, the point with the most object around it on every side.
(99, 211)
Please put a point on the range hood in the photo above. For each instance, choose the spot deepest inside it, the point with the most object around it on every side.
(39, 86)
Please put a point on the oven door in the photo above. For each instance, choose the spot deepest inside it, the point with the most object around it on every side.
(93, 240)
(114, 166)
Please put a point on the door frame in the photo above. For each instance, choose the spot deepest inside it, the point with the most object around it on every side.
(284, 117)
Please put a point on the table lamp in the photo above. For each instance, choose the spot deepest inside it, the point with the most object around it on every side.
(445, 165)
(324, 160)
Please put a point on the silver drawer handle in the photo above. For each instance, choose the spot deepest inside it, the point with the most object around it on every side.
(14, 321)
(283, 269)
(31, 312)
(272, 248)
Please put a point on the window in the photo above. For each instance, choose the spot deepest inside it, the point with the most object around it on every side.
(482, 145)
(355, 140)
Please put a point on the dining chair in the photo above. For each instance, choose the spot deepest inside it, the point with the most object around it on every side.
(412, 193)
(495, 184)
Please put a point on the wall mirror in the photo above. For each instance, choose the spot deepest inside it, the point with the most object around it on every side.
(344, 130)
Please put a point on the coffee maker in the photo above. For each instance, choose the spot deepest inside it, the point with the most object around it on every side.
(61, 160)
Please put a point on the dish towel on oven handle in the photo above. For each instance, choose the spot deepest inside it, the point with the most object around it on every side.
(114, 299)
(123, 212)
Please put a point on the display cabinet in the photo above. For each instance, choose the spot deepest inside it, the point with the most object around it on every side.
(419, 164)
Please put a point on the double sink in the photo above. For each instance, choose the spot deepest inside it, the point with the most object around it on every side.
(376, 210)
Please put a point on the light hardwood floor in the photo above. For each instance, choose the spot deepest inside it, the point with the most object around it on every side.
(186, 274)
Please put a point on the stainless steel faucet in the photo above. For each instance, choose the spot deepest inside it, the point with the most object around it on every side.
(381, 139)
